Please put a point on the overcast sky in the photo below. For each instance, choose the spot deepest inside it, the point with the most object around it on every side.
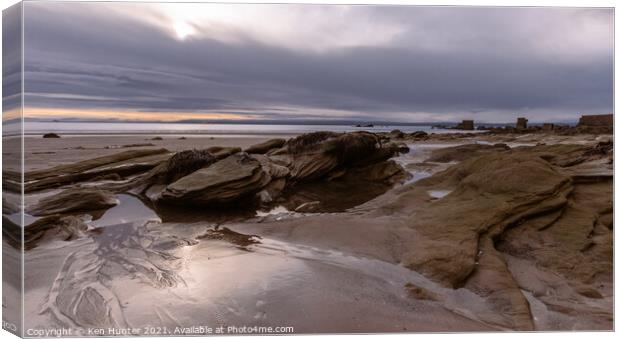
(397, 63)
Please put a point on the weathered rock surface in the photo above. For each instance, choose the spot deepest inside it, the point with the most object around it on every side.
(460, 153)
(166, 177)
(273, 169)
(231, 178)
(517, 229)
(53, 227)
(316, 155)
(9, 207)
(309, 207)
(92, 164)
(419, 135)
(265, 147)
(421, 293)
(123, 164)
(74, 200)
(397, 134)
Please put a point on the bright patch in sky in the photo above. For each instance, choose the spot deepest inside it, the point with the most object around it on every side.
(182, 29)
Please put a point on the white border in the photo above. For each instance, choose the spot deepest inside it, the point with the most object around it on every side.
(566, 3)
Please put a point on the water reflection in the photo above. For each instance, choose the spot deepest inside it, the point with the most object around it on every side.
(129, 210)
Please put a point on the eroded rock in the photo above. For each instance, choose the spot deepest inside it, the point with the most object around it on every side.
(463, 152)
(265, 147)
(231, 178)
(315, 155)
(123, 164)
(516, 225)
(74, 200)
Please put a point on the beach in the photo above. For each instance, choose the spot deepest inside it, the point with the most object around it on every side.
(324, 233)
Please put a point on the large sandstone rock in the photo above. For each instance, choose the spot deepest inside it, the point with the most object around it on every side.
(222, 152)
(463, 152)
(91, 164)
(229, 179)
(488, 191)
(316, 155)
(48, 228)
(173, 168)
(74, 200)
(517, 229)
(419, 135)
(265, 147)
(274, 170)
(121, 165)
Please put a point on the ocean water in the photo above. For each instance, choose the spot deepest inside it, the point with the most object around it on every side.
(38, 128)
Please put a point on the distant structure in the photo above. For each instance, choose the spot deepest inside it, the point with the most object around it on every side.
(548, 126)
(521, 123)
(606, 120)
(467, 125)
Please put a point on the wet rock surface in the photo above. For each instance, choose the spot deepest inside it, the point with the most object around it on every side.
(74, 200)
(317, 161)
(478, 237)
(123, 164)
(235, 177)
(266, 146)
(460, 153)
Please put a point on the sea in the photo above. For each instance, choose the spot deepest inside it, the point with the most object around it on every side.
(105, 128)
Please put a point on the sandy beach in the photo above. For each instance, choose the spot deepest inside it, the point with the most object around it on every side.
(399, 233)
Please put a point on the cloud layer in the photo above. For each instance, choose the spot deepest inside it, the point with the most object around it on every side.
(319, 62)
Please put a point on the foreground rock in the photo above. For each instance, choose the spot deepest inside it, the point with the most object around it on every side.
(120, 165)
(325, 154)
(220, 175)
(49, 228)
(513, 225)
(266, 146)
(223, 175)
(463, 152)
(232, 178)
(74, 200)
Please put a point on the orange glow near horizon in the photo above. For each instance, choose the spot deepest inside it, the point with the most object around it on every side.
(57, 113)
(12, 114)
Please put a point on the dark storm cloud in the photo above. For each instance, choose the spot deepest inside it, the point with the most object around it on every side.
(78, 57)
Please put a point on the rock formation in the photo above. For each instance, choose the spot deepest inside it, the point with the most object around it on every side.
(232, 178)
(222, 175)
(516, 224)
(74, 200)
(266, 146)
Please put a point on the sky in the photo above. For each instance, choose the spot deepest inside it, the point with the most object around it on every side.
(174, 61)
